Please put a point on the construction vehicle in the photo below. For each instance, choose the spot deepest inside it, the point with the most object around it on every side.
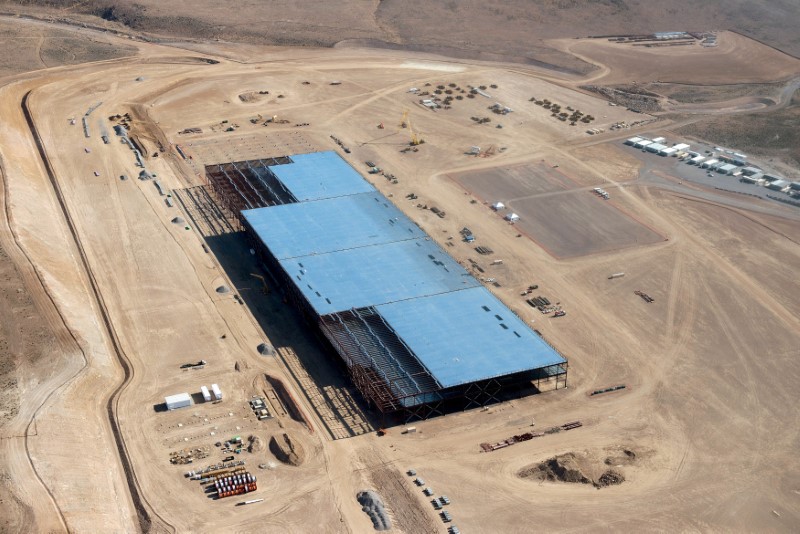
(559, 313)
(375, 170)
(265, 289)
(256, 119)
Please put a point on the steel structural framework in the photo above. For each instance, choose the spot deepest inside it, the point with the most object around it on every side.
(381, 366)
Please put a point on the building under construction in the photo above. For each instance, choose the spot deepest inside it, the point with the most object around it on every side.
(415, 330)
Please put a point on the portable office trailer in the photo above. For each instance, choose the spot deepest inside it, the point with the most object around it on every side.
(206, 394)
(181, 400)
(708, 163)
(217, 391)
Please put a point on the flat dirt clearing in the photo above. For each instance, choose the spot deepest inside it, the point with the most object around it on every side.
(509, 183)
(565, 219)
(736, 60)
(579, 223)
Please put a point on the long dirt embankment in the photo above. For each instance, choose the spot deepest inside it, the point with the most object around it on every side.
(144, 511)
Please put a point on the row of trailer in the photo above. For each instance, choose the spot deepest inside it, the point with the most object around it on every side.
(182, 400)
(657, 146)
(207, 394)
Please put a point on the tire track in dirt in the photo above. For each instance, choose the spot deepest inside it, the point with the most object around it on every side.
(145, 512)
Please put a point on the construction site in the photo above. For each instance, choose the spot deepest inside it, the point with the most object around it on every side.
(357, 289)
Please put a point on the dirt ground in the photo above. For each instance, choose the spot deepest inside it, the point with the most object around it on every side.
(736, 59)
(710, 366)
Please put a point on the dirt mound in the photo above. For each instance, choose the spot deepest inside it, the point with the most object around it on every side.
(249, 97)
(609, 478)
(372, 505)
(562, 468)
(626, 458)
(256, 444)
(287, 450)
(577, 469)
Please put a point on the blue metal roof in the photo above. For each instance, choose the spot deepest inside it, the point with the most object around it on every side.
(377, 274)
(466, 336)
(323, 226)
(320, 175)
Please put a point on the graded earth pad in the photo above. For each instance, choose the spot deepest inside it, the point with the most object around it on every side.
(735, 60)
(578, 223)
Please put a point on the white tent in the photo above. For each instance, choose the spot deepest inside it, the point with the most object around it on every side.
(512, 217)
(497, 206)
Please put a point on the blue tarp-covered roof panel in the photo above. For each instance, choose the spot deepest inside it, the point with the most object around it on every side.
(320, 175)
(466, 336)
(322, 226)
(378, 274)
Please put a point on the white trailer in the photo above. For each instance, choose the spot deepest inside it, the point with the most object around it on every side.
(206, 393)
(181, 400)
(217, 391)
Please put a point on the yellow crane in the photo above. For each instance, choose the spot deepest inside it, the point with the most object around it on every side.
(404, 120)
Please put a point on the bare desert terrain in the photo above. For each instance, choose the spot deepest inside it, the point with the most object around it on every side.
(110, 283)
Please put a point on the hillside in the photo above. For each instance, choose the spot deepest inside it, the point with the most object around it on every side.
(514, 30)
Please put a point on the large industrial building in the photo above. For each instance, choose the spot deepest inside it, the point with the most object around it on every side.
(416, 331)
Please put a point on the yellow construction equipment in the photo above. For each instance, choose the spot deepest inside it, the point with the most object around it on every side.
(404, 120)
(265, 289)
(415, 139)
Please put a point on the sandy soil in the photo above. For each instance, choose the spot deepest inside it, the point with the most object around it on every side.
(710, 367)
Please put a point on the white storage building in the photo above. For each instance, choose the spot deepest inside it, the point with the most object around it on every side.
(668, 151)
(217, 391)
(643, 143)
(659, 139)
(750, 171)
(632, 140)
(206, 393)
(778, 185)
(512, 217)
(497, 206)
(697, 160)
(727, 169)
(655, 147)
(681, 146)
(708, 163)
(180, 400)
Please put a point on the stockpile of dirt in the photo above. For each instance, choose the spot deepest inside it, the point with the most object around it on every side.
(563, 468)
(575, 469)
(287, 450)
(609, 478)
(630, 96)
(249, 97)
(626, 458)
(255, 444)
(372, 505)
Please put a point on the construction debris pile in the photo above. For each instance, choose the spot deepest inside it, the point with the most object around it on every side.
(488, 447)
